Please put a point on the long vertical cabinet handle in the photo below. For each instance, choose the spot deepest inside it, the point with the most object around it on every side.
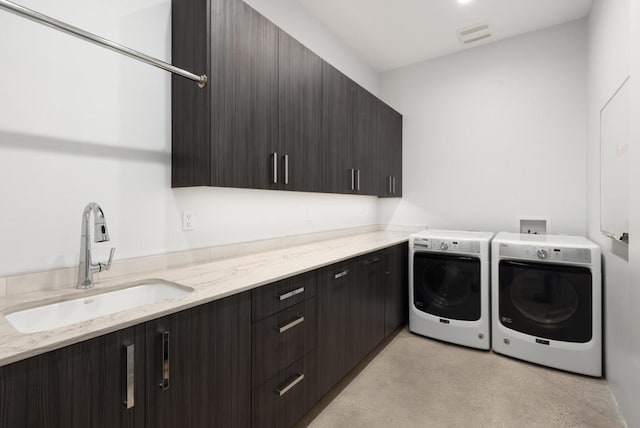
(389, 180)
(129, 393)
(394, 185)
(286, 169)
(353, 179)
(388, 254)
(164, 385)
(274, 157)
(358, 176)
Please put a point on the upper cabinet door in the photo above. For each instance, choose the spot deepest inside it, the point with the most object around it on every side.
(300, 89)
(337, 130)
(390, 151)
(244, 93)
(365, 147)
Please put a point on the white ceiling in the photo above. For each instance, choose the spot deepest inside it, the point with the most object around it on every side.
(389, 34)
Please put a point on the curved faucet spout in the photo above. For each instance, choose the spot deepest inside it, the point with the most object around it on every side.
(101, 234)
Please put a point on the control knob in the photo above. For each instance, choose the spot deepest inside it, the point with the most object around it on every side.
(542, 253)
(444, 246)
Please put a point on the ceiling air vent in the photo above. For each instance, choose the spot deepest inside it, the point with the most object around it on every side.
(474, 33)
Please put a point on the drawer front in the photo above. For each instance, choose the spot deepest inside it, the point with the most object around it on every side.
(283, 338)
(288, 396)
(272, 298)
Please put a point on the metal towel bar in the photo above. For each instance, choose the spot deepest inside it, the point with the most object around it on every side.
(77, 32)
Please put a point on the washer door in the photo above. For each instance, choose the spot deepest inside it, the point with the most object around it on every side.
(447, 286)
(546, 300)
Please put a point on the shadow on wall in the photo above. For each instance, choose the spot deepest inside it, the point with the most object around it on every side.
(80, 148)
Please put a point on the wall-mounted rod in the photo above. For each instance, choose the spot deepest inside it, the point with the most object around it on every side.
(75, 31)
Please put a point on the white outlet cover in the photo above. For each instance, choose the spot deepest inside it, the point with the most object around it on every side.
(187, 221)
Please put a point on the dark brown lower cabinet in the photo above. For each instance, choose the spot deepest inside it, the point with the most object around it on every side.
(287, 397)
(82, 385)
(334, 332)
(199, 366)
(209, 366)
(396, 287)
(205, 370)
(366, 306)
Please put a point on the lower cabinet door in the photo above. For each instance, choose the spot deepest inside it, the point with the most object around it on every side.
(82, 385)
(199, 366)
(288, 396)
(396, 310)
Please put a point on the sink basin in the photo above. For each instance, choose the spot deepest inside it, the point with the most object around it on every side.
(60, 314)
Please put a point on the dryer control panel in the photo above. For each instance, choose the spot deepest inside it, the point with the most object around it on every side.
(545, 253)
(447, 245)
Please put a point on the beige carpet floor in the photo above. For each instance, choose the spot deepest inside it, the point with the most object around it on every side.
(419, 382)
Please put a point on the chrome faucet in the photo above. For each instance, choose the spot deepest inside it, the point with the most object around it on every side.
(87, 267)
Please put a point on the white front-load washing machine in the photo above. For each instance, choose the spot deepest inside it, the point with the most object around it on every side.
(546, 300)
(449, 286)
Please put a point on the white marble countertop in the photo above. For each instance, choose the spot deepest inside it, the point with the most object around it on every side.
(210, 281)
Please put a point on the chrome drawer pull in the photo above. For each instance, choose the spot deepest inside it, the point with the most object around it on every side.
(291, 293)
(341, 274)
(283, 390)
(292, 324)
(286, 169)
(130, 375)
(164, 385)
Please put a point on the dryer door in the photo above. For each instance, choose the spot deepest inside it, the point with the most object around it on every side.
(447, 286)
(546, 300)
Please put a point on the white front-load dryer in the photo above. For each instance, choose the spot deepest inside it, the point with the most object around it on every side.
(546, 300)
(449, 286)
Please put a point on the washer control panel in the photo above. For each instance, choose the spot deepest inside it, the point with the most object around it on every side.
(555, 254)
(447, 245)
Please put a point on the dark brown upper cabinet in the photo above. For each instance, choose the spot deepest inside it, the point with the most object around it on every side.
(273, 115)
(390, 151)
(365, 142)
(337, 131)
(224, 134)
(300, 108)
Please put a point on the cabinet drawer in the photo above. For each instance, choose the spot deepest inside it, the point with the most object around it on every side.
(282, 339)
(288, 396)
(269, 299)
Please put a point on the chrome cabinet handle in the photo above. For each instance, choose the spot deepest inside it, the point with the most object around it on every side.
(358, 176)
(388, 254)
(164, 385)
(286, 169)
(291, 293)
(274, 156)
(372, 261)
(353, 179)
(390, 180)
(295, 380)
(394, 185)
(341, 274)
(291, 324)
(129, 393)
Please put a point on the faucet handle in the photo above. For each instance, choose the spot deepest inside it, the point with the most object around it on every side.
(107, 266)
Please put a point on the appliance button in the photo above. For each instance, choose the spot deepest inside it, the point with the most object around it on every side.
(542, 253)
(444, 246)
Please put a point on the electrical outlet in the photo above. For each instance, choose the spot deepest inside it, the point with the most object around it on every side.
(187, 220)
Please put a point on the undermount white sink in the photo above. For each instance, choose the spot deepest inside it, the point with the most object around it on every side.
(60, 314)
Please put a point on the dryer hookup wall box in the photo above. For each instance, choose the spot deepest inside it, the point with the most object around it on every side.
(535, 226)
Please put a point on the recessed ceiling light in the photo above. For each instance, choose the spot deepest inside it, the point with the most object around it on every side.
(464, 1)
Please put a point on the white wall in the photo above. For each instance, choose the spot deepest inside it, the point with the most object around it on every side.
(495, 133)
(610, 51)
(80, 123)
